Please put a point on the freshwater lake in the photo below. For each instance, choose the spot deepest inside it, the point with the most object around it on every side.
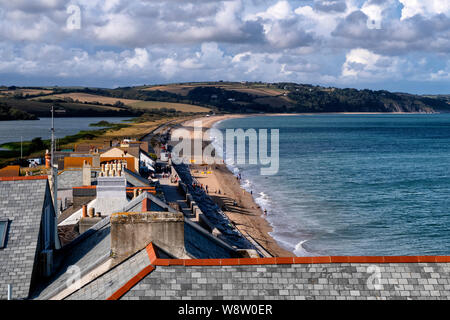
(12, 131)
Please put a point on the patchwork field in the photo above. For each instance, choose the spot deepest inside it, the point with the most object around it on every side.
(136, 104)
(89, 98)
(254, 89)
(168, 105)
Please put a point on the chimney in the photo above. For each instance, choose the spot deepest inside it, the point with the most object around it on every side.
(96, 160)
(91, 212)
(146, 204)
(84, 212)
(87, 181)
(133, 231)
(111, 191)
(48, 160)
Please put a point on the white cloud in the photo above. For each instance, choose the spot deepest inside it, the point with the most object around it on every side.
(173, 40)
(425, 8)
(169, 67)
(280, 11)
(322, 22)
(364, 64)
(119, 28)
(140, 59)
(374, 12)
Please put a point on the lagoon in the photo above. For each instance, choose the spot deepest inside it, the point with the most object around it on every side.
(12, 131)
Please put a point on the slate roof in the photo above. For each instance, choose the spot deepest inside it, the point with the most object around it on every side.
(327, 281)
(156, 204)
(135, 180)
(70, 178)
(198, 242)
(21, 202)
(86, 252)
(133, 150)
(111, 281)
(92, 249)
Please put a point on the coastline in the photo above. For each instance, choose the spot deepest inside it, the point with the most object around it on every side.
(247, 216)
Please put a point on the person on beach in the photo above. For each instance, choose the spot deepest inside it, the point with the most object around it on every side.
(265, 212)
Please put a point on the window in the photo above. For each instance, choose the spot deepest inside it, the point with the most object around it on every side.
(3, 230)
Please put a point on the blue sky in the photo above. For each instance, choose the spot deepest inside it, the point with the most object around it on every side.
(398, 45)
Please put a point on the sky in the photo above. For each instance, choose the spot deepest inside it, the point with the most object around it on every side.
(396, 45)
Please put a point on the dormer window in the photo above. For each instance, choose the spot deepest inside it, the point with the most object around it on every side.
(3, 231)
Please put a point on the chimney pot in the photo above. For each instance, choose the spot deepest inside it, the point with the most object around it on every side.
(84, 211)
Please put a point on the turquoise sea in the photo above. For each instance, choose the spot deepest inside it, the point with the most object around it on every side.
(356, 184)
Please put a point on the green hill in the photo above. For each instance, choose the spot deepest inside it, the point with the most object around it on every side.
(232, 97)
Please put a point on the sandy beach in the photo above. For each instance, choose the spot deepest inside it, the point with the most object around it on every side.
(237, 204)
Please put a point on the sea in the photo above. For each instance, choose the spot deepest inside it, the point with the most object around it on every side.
(27, 130)
(355, 184)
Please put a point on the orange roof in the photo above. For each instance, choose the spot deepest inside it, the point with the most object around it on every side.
(76, 162)
(10, 171)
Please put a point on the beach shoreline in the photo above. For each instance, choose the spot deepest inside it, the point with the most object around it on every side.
(237, 203)
(247, 216)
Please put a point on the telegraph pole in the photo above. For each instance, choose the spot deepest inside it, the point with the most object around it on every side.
(53, 166)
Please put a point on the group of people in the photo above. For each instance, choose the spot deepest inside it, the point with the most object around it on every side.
(201, 186)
